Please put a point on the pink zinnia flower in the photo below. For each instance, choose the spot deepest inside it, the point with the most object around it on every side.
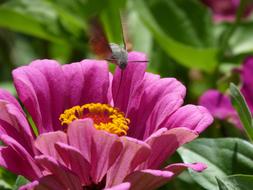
(220, 105)
(225, 10)
(96, 130)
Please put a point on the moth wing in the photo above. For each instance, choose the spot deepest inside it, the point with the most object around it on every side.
(98, 40)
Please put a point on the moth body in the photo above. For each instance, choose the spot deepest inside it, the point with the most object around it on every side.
(119, 55)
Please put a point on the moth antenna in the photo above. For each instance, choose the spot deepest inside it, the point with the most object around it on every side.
(139, 61)
(125, 35)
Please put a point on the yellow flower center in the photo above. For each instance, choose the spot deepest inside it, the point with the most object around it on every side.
(104, 116)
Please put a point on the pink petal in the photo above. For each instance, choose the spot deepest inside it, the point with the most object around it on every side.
(126, 81)
(14, 124)
(152, 179)
(150, 78)
(80, 133)
(88, 81)
(149, 98)
(34, 92)
(47, 88)
(45, 143)
(5, 95)
(192, 117)
(100, 148)
(177, 168)
(50, 182)
(107, 149)
(134, 103)
(133, 154)
(74, 159)
(161, 112)
(164, 143)
(45, 183)
(148, 179)
(109, 93)
(30, 186)
(16, 159)
(122, 186)
(53, 73)
(68, 179)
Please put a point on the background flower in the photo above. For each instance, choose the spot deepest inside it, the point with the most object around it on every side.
(225, 10)
(220, 105)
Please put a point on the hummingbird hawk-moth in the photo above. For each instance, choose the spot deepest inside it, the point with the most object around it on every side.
(111, 52)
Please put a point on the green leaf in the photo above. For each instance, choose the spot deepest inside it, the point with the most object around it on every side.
(112, 21)
(23, 52)
(180, 40)
(15, 17)
(60, 52)
(7, 179)
(182, 182)
(8, 86)
(242, 182)
(223, 156)
(72, 24)
(34, 128)
(236, 182)
(138, 32)
(242, 40)
(191, 21)
(225, 37)
(16, 21)
(80, 8)
(41, 19)
(4, 185)
(19, 182)
(222, 185)
(242, 109)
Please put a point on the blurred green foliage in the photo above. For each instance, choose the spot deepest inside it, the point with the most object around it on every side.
(179, 36)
